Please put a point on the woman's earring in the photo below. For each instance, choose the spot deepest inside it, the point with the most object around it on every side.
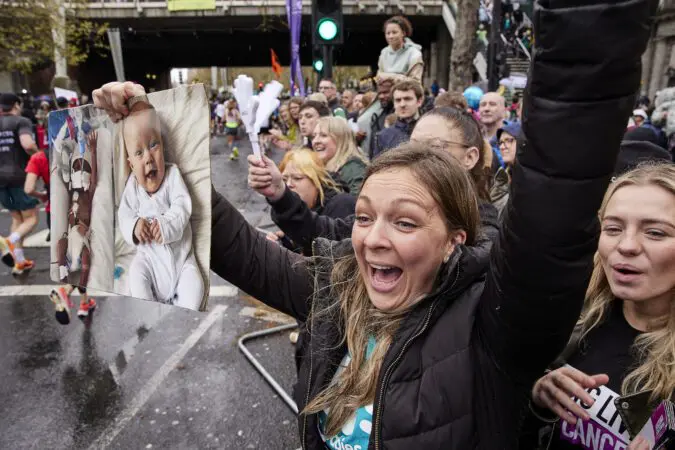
(446, 259)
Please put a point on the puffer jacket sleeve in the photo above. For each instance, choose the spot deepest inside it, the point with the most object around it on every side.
(302, 225)
(264, 269)
(582, 85)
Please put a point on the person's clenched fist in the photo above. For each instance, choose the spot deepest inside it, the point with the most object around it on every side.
(112, 97)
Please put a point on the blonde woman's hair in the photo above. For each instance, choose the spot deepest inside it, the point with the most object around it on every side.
(452, 188)
(338, 129)
(655, 349)
(309, 163)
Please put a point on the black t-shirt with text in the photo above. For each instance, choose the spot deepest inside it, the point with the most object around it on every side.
(606, 349)
(13, 157)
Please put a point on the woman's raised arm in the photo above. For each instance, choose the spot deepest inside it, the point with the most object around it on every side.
(582, 86)
(267, 271)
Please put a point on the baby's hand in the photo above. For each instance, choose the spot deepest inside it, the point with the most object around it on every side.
(156, 231)
(142, 232)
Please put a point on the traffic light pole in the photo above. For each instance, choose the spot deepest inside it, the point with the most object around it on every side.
(495, 45)
(328, 61)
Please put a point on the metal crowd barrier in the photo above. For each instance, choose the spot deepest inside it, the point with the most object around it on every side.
(259, 367)
(254, 361)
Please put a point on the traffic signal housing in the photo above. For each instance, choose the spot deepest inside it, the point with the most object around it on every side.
(327, 22)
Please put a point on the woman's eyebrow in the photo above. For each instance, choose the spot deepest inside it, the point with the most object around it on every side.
(657, 222)
(648, 221)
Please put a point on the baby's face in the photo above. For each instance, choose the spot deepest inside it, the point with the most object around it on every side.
(145, 151)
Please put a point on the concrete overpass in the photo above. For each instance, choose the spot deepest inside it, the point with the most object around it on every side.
(241, 32)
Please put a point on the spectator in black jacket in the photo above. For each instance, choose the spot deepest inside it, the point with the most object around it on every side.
(408, 98)
(437, 354)
(384, 88)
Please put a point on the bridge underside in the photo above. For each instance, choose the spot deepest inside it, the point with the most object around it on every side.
(157, 44)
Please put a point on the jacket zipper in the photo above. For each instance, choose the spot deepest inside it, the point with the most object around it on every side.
(390, 368)
(309, 384)
(309, 378)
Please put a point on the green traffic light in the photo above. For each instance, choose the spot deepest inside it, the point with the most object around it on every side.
(327, 29)
(318, 65)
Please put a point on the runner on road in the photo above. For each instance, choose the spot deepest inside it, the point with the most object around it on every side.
(16, 147)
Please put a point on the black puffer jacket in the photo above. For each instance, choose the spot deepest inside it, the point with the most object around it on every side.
(336, 205)
(459, 371)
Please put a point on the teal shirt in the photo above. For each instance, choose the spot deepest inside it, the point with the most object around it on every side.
(355, 433)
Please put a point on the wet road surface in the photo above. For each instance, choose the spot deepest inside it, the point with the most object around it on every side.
(143, 375)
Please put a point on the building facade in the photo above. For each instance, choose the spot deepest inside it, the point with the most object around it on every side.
(658, 62)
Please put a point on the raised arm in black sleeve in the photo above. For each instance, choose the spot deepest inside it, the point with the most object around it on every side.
(582, 85)
(267, 271)
(302, 225)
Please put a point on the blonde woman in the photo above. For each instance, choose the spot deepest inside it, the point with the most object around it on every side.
(335, 144)
(303, 172)
(625, 338)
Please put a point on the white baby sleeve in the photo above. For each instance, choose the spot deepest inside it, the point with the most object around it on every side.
(173, 222)
(127, 214)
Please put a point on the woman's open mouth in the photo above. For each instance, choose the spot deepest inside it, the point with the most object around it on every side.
(384, 278)
(625, 274)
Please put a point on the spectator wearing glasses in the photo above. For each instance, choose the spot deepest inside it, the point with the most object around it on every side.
(507, 140)
(328, 88)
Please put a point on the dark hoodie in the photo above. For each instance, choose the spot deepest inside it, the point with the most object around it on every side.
(393, 136)
(639, 145)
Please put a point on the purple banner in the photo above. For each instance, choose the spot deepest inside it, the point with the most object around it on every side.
(294, 15)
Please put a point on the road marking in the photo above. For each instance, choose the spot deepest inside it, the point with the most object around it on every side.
(128, 350)
(263, 314)
(3, 210)
(109, 435)
(46, 289)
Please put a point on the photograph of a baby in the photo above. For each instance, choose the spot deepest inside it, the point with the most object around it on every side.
(154, 216)
(162, 175)
(131, 202)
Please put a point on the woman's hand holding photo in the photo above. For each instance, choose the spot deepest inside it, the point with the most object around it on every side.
(112, 97)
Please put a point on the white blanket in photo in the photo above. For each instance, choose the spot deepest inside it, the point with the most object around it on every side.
(184, 117)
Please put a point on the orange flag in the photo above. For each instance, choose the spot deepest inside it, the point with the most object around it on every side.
(276, 67)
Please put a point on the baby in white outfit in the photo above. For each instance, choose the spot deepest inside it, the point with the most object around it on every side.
(154, 215)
